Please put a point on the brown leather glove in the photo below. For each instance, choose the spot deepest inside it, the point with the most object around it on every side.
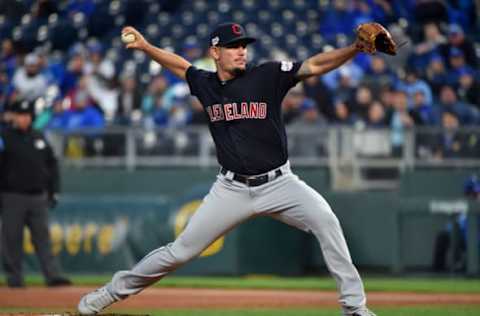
(373, 37)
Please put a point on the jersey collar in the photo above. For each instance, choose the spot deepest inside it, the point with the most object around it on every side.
(223, 83)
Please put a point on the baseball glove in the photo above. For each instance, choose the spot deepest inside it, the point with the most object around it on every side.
(373, 37)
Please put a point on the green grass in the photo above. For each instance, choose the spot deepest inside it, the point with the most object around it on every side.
(377, 284)
(390, 311)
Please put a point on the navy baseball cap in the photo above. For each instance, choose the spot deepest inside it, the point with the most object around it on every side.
(229, 33)
(22, 107)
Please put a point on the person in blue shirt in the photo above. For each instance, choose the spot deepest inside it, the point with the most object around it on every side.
(457, 225)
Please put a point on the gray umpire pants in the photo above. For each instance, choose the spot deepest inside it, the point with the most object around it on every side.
(31, 210)
(229, 203)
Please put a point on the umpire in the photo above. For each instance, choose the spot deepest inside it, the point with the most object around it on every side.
(29, 183)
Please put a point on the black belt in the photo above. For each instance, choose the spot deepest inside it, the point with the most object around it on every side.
(252, 181)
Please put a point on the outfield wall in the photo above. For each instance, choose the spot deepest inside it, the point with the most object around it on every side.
(111, 218)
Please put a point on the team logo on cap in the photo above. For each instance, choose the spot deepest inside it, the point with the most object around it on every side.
(236, 29)
(24, 105)
(286, 66)
(40, 144)
(215, 41)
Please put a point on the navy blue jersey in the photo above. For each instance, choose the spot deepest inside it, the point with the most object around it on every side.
(245, 116)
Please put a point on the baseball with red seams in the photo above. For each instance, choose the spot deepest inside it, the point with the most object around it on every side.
(128, 38)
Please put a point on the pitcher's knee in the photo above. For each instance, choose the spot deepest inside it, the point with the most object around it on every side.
(326, 220)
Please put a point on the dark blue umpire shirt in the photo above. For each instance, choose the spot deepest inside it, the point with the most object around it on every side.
(245, 115)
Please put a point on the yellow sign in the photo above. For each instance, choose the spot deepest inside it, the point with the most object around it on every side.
(181, 220)
(75, 238)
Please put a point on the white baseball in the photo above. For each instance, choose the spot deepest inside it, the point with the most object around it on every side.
(128, 38)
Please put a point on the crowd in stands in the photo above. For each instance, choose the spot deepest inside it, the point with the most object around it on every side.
(89, 81)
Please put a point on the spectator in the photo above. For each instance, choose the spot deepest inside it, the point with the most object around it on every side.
(315, 89)
(191, 51)
(29, 83)
(291, 105)
(436, 73)
(75, 69)
(175, 102)
(376, 116)
(360, 103)
(337, 19)
(8, 61)
(343, 79)
(343, 115)
(52, 116)
(30, 185)
(102, 88)
(412, 84)
(79, 95)
(154, 93)
(467, 114)
(308, 117)
(51, 65)
(386, 96)
(432, 40)
(458, 66)
(422, 113)
(179, 111)
(454, 143)
(468, 88)
(82, 113)
(400, 122)
(457, 39)
(379, 75)
(457, 224)
(129, 101)
(205, 62)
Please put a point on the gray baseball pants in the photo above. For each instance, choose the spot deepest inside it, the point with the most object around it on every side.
(30, 210)
(229, 203)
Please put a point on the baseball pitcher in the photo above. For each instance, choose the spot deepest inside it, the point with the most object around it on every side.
(243, 105)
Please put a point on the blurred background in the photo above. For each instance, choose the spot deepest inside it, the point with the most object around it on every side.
(392, 142)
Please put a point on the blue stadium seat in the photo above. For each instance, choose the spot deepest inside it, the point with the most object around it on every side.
(178, 30)
(154, 8)
(277, 29)
(239, 16)
(187, 17)
(202, 30)
(264, 16)
(213, 17)
(163, 19)
(152, 30)
(288, 17)
(200, 6)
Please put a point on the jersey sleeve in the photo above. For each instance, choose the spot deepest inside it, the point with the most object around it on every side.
(285, 73)
(194, 78)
